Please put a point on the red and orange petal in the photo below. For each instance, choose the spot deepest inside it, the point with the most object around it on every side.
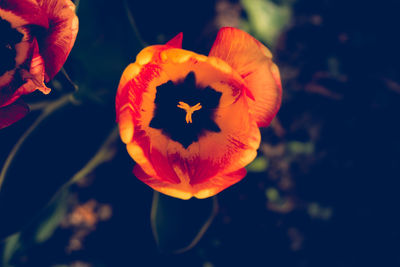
(253, 61)
(34, 80)
(60, 36)
(23, 48)
(185, 172)
(23, 12)
(39, 57)
(216, 161)
(57, 17)
(205, 167)
(207, 189)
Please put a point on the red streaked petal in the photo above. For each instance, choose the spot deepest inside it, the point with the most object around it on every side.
(213, 163)
(253, 61)
(12, 113)
(60, 37)
(34, 79)
(209, 71)
(161, 186)
(216, 153)
(139, 151)
(176, 41)
(162, 167)
(153, 162)
(208, 189)
(134, 106)
(22, 12)
(219, 183)
(234, 147)
(150, 157)
(170, 155)
(204, 168)
(134, 82)
(191, 168)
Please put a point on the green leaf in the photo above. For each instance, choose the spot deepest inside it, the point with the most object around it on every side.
(179, 224)
(38, 231)
(9, 247)
(58, 145)
(54, 213)
(47, 221)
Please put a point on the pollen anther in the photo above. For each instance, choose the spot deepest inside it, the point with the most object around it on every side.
(189, 110)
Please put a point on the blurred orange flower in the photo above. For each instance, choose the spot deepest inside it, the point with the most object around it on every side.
(191, 121)
(36, 38)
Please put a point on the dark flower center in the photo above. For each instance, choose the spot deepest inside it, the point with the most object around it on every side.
(184, 111)
(9, 37)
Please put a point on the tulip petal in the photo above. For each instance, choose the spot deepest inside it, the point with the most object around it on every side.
(235, 146)
(253, 61)
(215, 153)
(215, 159)
(176, 41)
(34, 79)
(135, 103)
(159, 185)
(211, 188)
(214, 72)
(23, 12)
(12, 113)
(153, 162)
(219, 183)
(165, 164)
(60, 36)
(19, 39)
(136, 80)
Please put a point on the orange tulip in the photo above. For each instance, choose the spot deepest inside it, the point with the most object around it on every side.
(36, 38)
(191, 121)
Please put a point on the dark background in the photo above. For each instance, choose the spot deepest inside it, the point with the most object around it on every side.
(323, 191)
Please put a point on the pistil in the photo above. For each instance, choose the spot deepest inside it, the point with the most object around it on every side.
(189, 110)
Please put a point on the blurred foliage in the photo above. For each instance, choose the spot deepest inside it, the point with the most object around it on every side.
(322, 191)
(52, 152)
(266, 19)
(38, 231)
(260, 164)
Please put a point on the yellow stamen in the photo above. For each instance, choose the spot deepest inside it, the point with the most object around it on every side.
(189, 110)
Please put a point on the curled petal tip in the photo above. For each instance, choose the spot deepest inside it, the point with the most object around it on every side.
(253, 61)
(176, 41)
